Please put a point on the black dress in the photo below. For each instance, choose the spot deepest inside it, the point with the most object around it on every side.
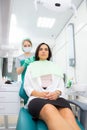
(37, 104)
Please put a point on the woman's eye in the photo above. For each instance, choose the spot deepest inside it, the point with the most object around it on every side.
(25, 46)
(40, 49)
(46, 49)
(29, 45)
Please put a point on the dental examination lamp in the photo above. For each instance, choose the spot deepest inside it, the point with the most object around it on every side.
(56, 5)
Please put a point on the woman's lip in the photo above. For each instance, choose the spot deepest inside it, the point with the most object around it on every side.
(43, 55)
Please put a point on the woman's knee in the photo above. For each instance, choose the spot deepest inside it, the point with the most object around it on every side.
(47, 110)
(66, 112)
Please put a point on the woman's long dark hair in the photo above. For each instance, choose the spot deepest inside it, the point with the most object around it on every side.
(37, 50)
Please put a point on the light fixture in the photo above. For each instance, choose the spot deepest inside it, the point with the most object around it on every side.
(45, 22)
(56, 5)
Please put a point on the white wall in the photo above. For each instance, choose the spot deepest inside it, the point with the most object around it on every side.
(60, 50)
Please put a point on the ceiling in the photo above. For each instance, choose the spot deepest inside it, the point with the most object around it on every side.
(26, 20)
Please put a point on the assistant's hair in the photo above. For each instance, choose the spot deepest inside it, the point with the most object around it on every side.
(37, 51)
(26, 40)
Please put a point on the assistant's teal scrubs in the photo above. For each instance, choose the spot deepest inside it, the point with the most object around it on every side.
(22, 91)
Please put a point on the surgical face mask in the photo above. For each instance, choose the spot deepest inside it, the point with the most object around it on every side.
(27, 49)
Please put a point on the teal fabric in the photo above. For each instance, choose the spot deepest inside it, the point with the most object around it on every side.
(25, 122)
(22, 92)
(41, 125)
(80, 125)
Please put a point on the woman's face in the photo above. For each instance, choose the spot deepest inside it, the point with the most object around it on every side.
(43, 52)
(27, 47)
(26, 44)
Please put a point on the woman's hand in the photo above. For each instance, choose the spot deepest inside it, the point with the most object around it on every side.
(44, 94)
(53, 95)
(48, 95)
(39, 94)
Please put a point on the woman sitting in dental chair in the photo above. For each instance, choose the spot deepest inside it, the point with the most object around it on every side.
(44, 86)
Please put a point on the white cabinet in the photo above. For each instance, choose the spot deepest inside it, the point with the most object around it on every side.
(9, 100)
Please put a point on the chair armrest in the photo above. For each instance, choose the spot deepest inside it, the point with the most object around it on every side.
(83, 112)
(81, 105)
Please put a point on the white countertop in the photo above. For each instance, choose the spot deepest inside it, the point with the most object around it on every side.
(10, 87)
(77, 95)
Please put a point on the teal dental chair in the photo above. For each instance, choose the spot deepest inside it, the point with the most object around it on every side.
(25, 121)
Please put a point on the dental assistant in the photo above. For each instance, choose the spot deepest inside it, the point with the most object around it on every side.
(21, 64)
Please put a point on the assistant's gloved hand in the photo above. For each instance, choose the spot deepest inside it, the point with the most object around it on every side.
(28, 61)
(32, 59)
